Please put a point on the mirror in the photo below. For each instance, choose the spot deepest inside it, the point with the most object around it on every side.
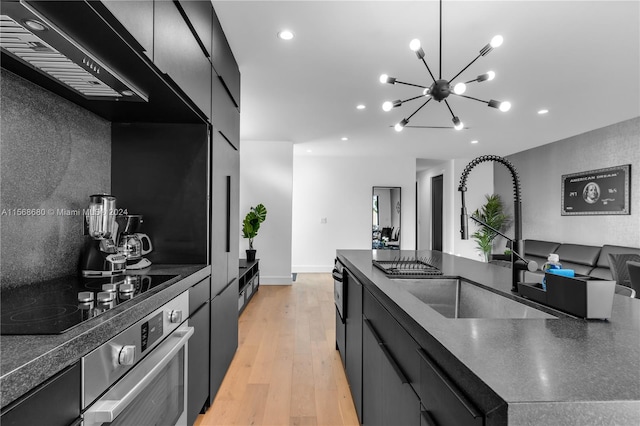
(385, 230)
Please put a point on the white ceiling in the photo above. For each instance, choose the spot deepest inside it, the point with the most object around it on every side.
(579, 59)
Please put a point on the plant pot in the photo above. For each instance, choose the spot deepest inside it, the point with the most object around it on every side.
(251, 255)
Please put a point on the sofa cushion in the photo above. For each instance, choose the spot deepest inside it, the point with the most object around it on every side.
(578, 254)
(603, 259)
(537, 248)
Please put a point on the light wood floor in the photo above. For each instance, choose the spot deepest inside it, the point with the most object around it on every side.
(286, 370)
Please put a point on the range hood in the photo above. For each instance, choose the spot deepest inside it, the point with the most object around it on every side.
(29, 37)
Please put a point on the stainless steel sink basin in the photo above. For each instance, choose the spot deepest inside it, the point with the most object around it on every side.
(457, 298)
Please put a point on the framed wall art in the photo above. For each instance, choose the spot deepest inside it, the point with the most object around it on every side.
(597, 192)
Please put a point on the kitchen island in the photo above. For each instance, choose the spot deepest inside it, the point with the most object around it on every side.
(520, 371)
(26, 361)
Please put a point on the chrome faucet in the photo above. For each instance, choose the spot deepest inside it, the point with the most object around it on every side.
(517, 244)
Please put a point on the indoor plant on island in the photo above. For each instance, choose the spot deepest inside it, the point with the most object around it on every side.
(251, 225)
(492, 213)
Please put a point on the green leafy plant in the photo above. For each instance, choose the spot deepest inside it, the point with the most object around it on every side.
(492, 213)
(252, 221)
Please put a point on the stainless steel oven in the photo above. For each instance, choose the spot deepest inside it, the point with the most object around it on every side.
(139, 377)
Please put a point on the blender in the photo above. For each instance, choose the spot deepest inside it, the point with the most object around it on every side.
(100, 257)
(131, 243)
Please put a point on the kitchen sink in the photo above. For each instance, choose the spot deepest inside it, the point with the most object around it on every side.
(457, 298)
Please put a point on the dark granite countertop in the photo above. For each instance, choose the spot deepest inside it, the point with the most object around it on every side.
(26, 361)
(549, 371)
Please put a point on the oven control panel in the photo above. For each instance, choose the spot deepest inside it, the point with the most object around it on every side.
(106, 364)
(151, 331)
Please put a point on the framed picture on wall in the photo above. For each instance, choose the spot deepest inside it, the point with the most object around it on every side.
(597, 192)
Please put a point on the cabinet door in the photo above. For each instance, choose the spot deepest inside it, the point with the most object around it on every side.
(224, 114)
(198, 370)
(54, 403)
(223, 61)
(387, 398)
(353, 362)
(444, 402)
(200, 15)
(225, 201)
(178, 54)
(137, 18)
(224, 335)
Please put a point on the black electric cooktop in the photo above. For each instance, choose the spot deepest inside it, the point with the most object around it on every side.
(56, 306)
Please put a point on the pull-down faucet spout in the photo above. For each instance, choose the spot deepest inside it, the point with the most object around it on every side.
(517, 244)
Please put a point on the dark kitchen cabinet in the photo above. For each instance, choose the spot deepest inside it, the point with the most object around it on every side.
(224, 335)
(200, 17)
(224, 63)
(199, 346)
(224, 114)
(177, 53)
(353, 321)
(388, 399)
(137, 18)
(444, 403)
(225, 221)
(54, 403)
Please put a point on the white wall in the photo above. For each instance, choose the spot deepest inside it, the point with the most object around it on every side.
(266, 176)
(479, 183)
(339, 189)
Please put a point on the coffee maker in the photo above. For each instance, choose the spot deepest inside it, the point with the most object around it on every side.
(132, 243)
(100, 257)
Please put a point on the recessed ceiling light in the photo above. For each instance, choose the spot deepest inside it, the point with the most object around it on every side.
(543, 111)
(285, 35)
(361, 106)
(344, 138)
(474, 141)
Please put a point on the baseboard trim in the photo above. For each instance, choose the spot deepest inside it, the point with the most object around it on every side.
(311, 269)
(286, 280)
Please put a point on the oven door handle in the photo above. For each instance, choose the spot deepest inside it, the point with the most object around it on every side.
(106, 410)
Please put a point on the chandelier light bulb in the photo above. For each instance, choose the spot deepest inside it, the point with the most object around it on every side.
(457, 124)
(426, 92)
(505, 106)
(491, 75)
(496, 41)
(414, 45)
(383, 78)
(387, 106)
(401, 125)
(459, 88)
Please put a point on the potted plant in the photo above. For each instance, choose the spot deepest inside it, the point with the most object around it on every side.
(251, 225)
(492, 213)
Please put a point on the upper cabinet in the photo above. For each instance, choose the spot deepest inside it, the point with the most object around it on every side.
(224, 63)
(178, 54)
(224, 115)
(199, 16)
(137, 18)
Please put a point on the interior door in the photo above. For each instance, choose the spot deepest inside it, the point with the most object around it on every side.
(436, 212)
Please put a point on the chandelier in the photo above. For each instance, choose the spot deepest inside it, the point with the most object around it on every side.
(440, 89)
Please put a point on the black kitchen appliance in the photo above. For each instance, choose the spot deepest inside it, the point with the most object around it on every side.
(340, 302)
(58, 305)
(100, 257)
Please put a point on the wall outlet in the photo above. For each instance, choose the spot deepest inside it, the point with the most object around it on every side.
(323, 220)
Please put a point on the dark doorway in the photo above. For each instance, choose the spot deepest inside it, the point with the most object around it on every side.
(436, 213)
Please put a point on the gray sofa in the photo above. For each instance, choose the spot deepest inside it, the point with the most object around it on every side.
(585, 260)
